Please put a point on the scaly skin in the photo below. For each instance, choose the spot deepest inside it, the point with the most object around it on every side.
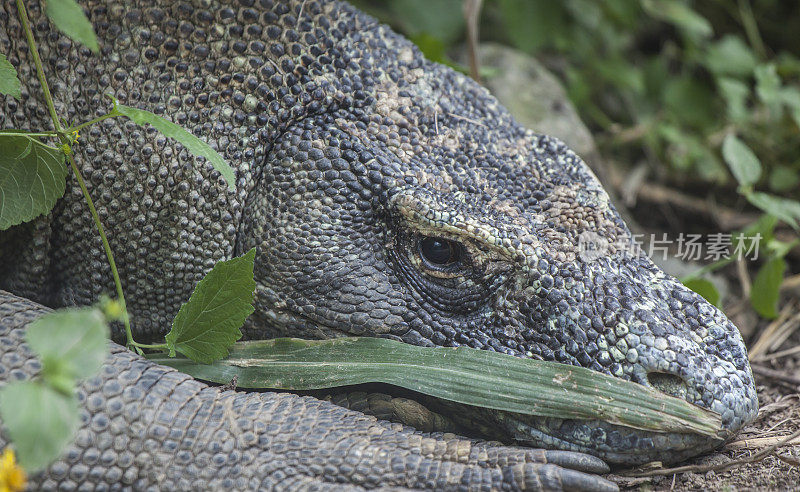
(350, 149)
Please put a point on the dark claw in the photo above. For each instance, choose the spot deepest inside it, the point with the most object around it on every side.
(575, 480)
(552, 478)
(577, 461)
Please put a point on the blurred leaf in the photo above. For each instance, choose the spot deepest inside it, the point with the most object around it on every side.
(441, 19)
(208, 324)
(69, 18)
(788, 64)
(532, 24)
(764, 227)
(744, 165)
(40, 421)
(705, 288)
(782, 208)
(679, 14)
(768, 85)
(656, 75)
(686, 151)
(578, 88)
(783, 178)
(735, 93)
(623, 12)
(780, 249)
(690, 101)
(464, 375)
(730, 56)
(71, 343)
(586, 13)
(9, 82)
(432, 47)
(191, 142)
(677, 149)
(32, 178)
(790, 96)
(621, 73)
(766, 288)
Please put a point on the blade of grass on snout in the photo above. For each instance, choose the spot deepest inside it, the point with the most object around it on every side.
(464, 375)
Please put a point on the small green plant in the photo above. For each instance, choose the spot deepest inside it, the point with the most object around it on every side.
(41, 415)
(765, 292)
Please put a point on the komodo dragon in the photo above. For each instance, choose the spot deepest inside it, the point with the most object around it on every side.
(387, 196)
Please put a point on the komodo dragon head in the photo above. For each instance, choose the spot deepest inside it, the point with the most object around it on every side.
(419, 210)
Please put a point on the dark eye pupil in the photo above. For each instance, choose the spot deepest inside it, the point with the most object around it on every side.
(439, 251)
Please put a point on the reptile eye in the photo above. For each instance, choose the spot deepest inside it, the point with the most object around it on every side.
(438, 251)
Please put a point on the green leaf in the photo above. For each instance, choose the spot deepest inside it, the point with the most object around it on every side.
(679, 14)
(790, 96)
(72, 343)
(621, 73)
(690, 100)
(783, 178)
(763, 228)
(430, 46)
(441, 19)
(782, 208)
(766, 288)
(768, 87)
(69, 18)
(9, 82)
(705, 288)
(735, 94)
(209, 323)
(40, 422)
(532, 25)
(730, 56)
(32, 178)
(192, 143)
(463, 375)
(744, 164)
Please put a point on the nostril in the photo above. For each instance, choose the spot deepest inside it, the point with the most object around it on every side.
(668, 383)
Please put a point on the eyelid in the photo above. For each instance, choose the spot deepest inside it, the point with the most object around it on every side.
(420, 210)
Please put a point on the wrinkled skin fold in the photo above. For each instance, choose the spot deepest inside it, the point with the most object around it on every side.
(386, 196)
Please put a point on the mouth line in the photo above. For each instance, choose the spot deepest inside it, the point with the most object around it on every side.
(633, 447)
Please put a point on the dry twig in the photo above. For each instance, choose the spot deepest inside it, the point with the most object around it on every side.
(773, 335)
(776, 355)
(776, 375)
(472, 14)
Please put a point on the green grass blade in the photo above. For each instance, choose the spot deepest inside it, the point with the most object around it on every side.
(464, 375)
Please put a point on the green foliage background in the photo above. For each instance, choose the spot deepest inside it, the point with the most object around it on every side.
(659, 81)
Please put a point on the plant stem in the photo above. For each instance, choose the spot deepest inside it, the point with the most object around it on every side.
(106, 116)
(27, 134)
(23, 14)
(155, 346)
(109, 254)
(751, 28)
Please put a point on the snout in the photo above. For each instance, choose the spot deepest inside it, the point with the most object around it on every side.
(628, 319)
